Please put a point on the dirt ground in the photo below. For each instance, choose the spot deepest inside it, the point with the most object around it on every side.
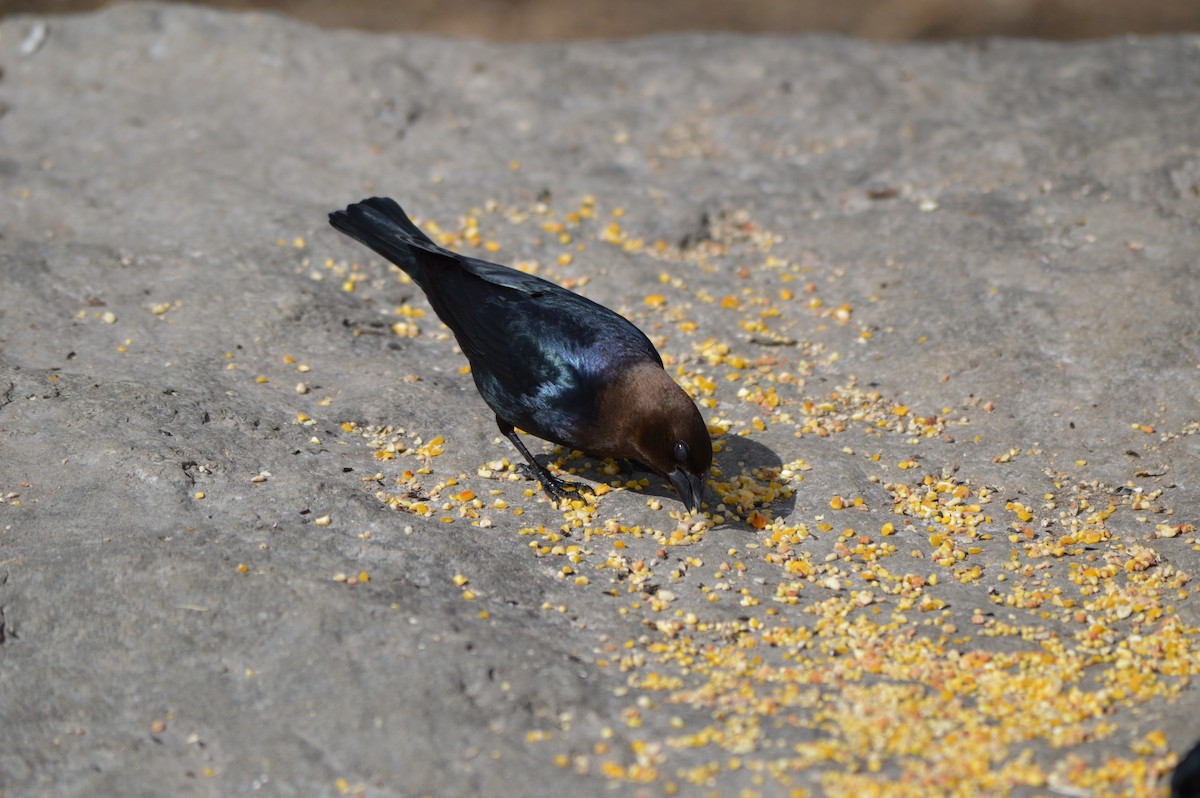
(533, 20)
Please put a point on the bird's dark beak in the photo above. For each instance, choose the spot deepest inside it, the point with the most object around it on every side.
(690, 487)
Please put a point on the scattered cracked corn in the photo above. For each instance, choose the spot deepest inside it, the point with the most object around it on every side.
(843, 668)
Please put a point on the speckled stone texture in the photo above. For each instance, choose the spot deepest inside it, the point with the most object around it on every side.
(1003, 236)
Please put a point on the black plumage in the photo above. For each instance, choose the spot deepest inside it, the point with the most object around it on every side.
(547, 360)
(1185, 781)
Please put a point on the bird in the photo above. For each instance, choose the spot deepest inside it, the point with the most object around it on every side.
(1185, 781)
(548, 361)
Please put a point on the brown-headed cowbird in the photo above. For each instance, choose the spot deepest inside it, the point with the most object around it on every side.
(547, 360)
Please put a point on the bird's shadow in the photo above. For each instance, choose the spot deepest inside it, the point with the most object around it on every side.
(750, 482)
(744, 476)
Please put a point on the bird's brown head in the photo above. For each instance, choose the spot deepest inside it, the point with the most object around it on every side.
(652, 420)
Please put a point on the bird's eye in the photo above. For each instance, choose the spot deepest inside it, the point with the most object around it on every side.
(681, 452)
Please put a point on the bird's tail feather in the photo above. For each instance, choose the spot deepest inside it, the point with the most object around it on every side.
(382, 225)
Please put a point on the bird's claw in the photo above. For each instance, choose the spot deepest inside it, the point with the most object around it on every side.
(559, 490)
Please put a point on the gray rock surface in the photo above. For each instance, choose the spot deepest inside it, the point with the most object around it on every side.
(1003, 238)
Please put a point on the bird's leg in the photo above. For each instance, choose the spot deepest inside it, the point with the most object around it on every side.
(557, 489)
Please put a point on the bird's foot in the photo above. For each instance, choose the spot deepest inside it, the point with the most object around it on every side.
(559, 490)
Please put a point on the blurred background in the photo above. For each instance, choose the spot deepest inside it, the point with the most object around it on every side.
(532, 20)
